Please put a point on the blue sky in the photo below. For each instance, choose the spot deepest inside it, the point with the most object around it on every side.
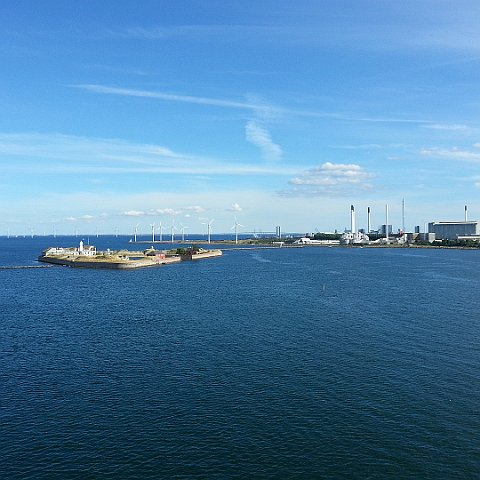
(123, 113)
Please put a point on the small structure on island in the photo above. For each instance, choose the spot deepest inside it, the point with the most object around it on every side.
(86, 250)
(82, 250)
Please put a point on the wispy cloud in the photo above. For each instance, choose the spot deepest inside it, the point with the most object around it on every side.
(330, 178)
(260, 108)
(446, 127)
(75, 148)
(255, 132)
(364, 146)
(457, 32)
(67, 154)
(176, 31)
(260, 137)
(169, 97)
(455, 153)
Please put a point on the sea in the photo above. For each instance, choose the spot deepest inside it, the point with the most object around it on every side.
(280, 363)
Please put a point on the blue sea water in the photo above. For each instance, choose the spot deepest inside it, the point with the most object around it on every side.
(303, 363)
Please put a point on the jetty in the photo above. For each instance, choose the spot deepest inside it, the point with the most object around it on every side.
(18, 267)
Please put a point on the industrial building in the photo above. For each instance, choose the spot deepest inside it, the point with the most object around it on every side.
(453, 230)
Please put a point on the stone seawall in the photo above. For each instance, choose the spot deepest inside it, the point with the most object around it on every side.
(113, 264)
(201, 254)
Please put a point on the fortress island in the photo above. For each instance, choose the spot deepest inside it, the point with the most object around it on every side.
(87, 256)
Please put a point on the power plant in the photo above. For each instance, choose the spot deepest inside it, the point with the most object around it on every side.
(354, 237)
(442, 230)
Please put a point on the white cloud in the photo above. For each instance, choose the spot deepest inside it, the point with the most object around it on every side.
(235, 208)
(260, 137)
(195, 209)
(330, 178)
(164, 211)
(133, 213)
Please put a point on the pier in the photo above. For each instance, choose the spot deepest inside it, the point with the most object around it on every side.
(18, 267)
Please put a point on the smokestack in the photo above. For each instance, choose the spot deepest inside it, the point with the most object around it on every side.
(403, 215)
(368, 220)
(386, 222)
(466, 215)
(352, 218)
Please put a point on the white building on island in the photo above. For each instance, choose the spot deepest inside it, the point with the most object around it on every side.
(83, 250)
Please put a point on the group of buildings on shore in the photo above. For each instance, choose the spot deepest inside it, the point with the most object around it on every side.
(452, 231)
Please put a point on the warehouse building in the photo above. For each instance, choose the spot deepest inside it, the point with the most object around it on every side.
(453, 230)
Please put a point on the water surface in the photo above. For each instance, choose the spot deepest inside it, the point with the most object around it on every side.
(283, 363)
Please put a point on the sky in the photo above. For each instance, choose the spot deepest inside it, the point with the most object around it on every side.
(119, 114)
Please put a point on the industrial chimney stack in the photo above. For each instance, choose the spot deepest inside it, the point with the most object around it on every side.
(352, 219)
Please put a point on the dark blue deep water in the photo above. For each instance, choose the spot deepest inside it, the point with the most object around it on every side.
(285, 364)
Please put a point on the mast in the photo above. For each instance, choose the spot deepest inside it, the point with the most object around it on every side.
(386, 222)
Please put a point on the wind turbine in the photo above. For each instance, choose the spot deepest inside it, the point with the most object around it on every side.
(160, 228)
(183, 232)
(235, 227)
(209, 227)
(172, 228)
(153, 232)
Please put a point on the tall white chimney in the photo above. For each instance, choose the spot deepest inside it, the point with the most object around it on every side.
(352, 219)
(466, 215)
(386, 222)
(368, 220)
